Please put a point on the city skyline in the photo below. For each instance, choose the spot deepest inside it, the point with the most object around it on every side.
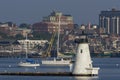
(26, 11)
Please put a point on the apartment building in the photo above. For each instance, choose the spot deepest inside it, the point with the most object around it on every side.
(110, 21)
(52, 22)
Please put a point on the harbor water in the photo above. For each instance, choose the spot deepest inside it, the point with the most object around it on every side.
(109, 70)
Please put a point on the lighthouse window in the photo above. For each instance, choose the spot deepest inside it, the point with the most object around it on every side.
(81, 51)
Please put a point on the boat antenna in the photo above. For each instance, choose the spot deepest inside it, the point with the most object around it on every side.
(58, 35)
(26, 47)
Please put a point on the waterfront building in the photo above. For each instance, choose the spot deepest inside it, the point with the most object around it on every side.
(32, 43)
(50, 23)
(110, 21)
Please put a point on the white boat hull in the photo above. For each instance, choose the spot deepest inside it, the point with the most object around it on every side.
(27, 64)
(55, 62)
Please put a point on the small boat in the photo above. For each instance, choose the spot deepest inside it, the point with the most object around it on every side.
(28, 63)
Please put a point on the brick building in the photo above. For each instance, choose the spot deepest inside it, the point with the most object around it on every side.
(50, 23)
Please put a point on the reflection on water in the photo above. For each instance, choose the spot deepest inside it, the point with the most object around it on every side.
(46, 78)
(86, 78)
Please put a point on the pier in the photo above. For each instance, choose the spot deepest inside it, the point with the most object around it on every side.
(43, 74)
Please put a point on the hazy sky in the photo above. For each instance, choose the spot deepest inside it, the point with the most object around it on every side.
(31, 11)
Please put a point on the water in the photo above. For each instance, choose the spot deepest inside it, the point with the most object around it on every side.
(109, 70)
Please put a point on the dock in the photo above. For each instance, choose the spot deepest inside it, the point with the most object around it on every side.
(42, 74)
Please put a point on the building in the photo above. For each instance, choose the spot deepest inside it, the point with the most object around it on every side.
(32, 43)
(23, 32)
(8, 28)
(51, 23)
(110, 21)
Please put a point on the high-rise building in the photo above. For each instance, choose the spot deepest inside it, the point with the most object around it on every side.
(110, 21)
(51, 23)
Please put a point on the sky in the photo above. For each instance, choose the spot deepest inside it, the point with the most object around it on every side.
(32, 11)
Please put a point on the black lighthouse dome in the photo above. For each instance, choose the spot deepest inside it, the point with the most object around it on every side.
(82, 38)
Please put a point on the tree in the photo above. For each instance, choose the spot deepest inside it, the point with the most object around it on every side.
(42, 35)
(19, 36)
(24, 25)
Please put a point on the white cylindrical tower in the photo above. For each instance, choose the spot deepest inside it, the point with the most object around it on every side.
(83, 62)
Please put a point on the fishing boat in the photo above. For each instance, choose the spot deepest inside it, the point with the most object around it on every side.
(28, 62)
(56, 60)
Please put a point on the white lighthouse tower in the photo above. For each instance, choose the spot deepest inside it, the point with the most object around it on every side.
(83, 63)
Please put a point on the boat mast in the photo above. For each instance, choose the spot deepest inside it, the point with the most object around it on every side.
(58, 34)
(26, 45)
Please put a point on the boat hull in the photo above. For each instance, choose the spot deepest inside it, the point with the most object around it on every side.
(25, 64)
(54, 62)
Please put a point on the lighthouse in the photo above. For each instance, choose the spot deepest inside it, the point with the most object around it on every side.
(83, 63)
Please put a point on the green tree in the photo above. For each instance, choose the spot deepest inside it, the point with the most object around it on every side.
(19, 36)
(42, 35)
(3, 35)
(24, 25)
